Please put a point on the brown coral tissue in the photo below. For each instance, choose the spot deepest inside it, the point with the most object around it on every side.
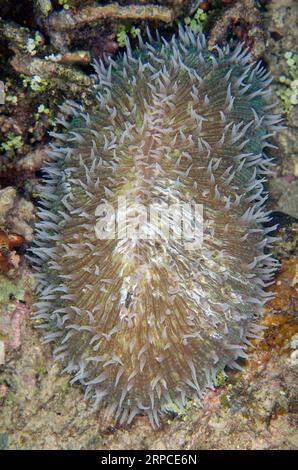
(139, 320)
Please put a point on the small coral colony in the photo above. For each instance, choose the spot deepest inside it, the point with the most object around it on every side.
(143, 322)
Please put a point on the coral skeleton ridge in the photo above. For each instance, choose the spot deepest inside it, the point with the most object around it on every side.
(142, 322)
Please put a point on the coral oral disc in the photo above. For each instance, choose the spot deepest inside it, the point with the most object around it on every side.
(144, 317)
